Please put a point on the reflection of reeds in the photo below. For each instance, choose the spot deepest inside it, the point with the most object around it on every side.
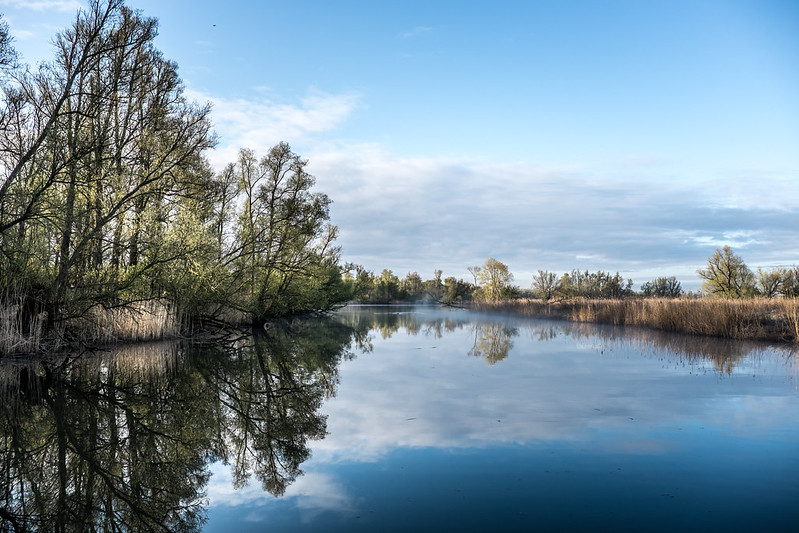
(753, 319)
(147, 360)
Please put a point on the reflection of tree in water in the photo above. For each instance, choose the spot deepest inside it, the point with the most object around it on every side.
(96, 446)
(724, 354)
(492, 341)
(123, 441)
(387, 320)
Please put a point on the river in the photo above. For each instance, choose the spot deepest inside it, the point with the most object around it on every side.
(392, 418)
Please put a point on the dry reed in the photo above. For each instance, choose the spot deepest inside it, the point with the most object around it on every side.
(751, 319)
(143, 321)
(20, 333)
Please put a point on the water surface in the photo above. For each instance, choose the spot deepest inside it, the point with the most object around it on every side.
(409, 419)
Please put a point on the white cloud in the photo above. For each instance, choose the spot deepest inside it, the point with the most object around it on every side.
(43, 5)
(260, 123)
(412, 213)
(416, 213)
(311, 493)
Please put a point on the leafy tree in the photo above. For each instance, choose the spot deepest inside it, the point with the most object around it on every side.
(434, 286)
(789, 286)
(495, 278)
(456, 290)
(107, 200)
(662, 287)
(98, 151)
(597, 284)
(770, 283)
(388, 287)
(412, 286)
(727, 276)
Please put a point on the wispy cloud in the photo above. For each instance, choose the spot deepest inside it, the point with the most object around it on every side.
(418, 30)
(43, 5)
(311, 493)
(22, 35)
(260, 123)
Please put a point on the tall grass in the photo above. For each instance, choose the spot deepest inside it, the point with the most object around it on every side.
(752, 319)
(142, 321)
(22, 332)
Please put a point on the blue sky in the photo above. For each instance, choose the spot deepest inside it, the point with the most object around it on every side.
(631, 136)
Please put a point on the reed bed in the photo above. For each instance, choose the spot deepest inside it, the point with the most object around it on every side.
(751, 319)
(22, 332)
(143, 321)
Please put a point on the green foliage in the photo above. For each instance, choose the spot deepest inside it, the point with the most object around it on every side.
(456, 291)
(283, 243)
(592, 285)
(106, 198)
(495, 279)
(662, 287)
(727, 276)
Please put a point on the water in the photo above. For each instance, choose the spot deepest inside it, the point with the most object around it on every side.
(408, 419)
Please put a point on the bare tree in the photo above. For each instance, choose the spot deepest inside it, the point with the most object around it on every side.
(545, 284)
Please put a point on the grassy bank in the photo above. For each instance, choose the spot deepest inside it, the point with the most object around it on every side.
(750, 319)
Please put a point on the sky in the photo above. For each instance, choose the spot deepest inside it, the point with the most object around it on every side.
(618, 135)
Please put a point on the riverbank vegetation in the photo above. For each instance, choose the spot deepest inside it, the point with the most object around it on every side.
(113, 226)
(750, 319)
(735, 302)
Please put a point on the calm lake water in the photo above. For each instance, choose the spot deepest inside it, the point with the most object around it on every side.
(407, 419)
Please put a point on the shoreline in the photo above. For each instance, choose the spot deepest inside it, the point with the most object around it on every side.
(758, 319)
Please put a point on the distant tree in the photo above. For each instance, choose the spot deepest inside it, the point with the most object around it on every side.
(727, 276)
(388, 287)
(456, 290)
(435, 287)
(790, 282)
(475, 272)
(413, 286)
(597, 284)
(770, 282)
(361, 282)
(495, 278)
(544, 285)
(662, 288)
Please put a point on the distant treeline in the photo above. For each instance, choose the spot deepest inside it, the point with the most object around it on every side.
(726, 276)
